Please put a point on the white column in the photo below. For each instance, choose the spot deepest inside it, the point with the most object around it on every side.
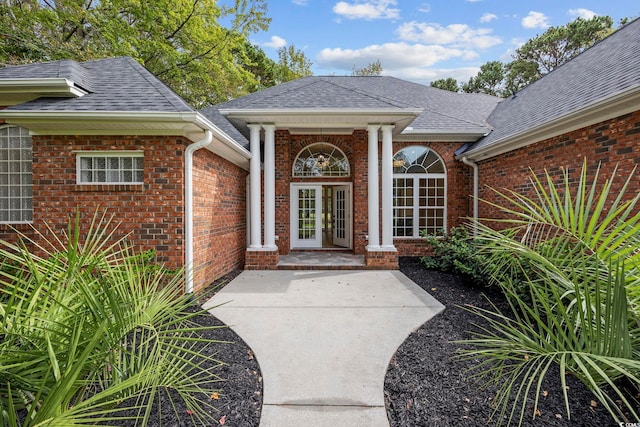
(269, 188)
(373, 189)
(387, 188)
(254, 170)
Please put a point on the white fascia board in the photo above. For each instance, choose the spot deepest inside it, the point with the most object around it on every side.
(191, 125)
(439, 136)
(44, 87)
(605, 109)
(272, 114)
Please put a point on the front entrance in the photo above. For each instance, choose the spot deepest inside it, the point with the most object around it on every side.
(321, 216)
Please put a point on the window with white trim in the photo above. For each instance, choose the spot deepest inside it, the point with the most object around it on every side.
(16, 176)
(419, 192)
(122, 167)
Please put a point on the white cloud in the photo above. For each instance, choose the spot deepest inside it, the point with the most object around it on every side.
(372, 9)
(535, 20)
(424, 8)
(276, 42)
(457, 35)
(300, 2)
(488, 17)
(582, 13)
(392, 56)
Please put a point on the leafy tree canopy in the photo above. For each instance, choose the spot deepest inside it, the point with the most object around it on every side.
(183, 42)
(538, 56)
(449, 84)
(372, 69)
(292, 64)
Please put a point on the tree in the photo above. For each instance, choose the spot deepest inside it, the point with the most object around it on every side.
(292, 64)
(372, 69)
(180, 41)
(488, 80)
(449, 84)
(558, 45)
(539, 56)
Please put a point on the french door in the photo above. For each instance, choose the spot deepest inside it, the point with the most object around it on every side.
(312, 208)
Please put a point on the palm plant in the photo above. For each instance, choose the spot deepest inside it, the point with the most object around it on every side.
(568, 262)
(92, 333)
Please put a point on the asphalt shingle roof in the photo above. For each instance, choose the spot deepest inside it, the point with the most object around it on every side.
(608, 68)
(114, 84)
(442, 110)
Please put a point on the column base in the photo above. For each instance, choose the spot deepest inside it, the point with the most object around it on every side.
(261, 259)
(381, 259)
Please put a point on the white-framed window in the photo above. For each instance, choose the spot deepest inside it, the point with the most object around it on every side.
(419, 192)
(110, 167)
(16, 176)
(321, 160)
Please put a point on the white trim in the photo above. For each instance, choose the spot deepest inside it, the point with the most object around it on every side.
(115, 153)
(307, 147)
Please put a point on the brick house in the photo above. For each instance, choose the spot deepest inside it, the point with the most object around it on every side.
(357, 164)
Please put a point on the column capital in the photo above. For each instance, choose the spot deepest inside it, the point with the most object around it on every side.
(387, 128)
(269, 127)
(253, 126)
(373, 128)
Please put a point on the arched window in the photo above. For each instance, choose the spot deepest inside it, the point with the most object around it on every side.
(419, 192)
(16, 188)
(319, 160)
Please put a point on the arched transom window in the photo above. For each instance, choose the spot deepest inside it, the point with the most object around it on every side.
(419, 192)
(319, 160)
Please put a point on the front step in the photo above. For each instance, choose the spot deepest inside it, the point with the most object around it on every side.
(321, 260)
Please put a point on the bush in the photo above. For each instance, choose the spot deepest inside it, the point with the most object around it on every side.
(456, 252)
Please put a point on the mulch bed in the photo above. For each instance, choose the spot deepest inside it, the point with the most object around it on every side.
(424, 386)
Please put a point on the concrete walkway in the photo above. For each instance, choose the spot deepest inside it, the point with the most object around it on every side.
(323, 339)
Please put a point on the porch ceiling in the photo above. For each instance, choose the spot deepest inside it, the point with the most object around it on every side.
(326, 121)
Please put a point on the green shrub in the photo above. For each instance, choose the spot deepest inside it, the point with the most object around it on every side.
(456, 252)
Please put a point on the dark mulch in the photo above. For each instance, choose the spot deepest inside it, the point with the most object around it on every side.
(424, 386)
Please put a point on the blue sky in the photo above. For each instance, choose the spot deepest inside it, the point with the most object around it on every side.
(419, 40)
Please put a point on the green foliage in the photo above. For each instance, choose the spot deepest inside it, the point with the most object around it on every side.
(372, 69)
(92, 335)
(292, 64)
(449, 84)
(575, 247)
(488, 80)
(199, 48)
(456, 252)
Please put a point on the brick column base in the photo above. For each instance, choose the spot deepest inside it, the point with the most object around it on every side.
(261, 259)
(381, 260)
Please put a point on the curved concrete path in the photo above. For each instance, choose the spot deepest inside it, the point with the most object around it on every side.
(323, 339)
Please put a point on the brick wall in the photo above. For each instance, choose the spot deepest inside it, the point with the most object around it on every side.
(219, 220)
(151, 213)
(609, 143)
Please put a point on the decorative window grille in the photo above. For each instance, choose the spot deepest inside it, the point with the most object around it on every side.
(321, 160)
(16, 177)
(110, 167)
(419, 193)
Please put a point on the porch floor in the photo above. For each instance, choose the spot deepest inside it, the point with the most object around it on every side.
(321, 260)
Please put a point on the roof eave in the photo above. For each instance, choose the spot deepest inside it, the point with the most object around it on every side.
(191, 125)
(441, 135)
(325, 118)
(614, 106)
(18, 91)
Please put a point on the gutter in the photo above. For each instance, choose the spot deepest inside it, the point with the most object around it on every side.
(476, 184)
(188, 209)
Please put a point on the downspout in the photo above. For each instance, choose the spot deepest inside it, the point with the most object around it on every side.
(476, 184)
(188, 208)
